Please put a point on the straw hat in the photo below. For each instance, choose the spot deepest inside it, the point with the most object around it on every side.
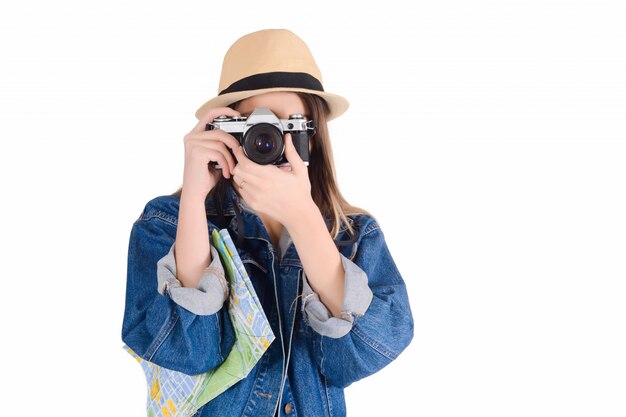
(270, 60)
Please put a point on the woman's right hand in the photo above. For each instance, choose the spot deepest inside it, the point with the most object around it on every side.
(204, 146)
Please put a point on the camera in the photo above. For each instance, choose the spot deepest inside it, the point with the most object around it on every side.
(261, 135)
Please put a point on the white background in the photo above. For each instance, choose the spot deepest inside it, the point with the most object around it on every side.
(488, 137)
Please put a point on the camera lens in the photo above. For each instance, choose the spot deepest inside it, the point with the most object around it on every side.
(263, 143)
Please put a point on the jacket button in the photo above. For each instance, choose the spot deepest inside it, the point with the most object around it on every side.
(288, 408)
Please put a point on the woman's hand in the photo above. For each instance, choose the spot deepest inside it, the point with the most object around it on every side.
(204, 146)
(280, 193)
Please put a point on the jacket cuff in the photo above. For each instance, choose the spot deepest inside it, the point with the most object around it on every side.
(357, 298)
(212, 289)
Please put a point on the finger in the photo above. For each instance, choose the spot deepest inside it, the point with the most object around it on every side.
(223, 163)
(292, 155)
(249, 180)
(241, 156)
(249, 165)
(212, 114)
(223, 149)
(251, 177)
(217, 137)
(213, 155)
(243, 190)
(221, 135)
(202, 143)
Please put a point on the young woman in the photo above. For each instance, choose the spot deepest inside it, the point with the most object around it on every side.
(321, 268)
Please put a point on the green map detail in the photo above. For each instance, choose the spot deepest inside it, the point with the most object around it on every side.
(172, 393)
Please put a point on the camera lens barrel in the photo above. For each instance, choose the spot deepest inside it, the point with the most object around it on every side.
(263, 143)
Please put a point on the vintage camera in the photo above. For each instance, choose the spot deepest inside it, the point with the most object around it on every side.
(262, 135)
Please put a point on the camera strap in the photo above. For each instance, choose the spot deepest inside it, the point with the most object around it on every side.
(240, 223)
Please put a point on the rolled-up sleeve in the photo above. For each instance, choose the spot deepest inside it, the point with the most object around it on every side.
(357, 298)
(155, 326)
(212, 289)
(385, 329)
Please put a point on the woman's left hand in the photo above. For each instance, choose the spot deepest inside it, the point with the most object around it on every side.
(279, 193)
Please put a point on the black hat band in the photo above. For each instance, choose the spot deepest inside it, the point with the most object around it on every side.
(275, 80)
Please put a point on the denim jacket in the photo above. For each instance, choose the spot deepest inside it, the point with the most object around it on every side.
(314, 355)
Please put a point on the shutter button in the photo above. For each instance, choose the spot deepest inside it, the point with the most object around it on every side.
(288, 408)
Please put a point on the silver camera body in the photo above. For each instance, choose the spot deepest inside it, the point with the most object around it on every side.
(262, 135)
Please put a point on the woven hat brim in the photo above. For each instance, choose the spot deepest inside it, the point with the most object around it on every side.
(336, 104)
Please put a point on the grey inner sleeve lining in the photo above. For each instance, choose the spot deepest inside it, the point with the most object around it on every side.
(212, 289)
(357, 299)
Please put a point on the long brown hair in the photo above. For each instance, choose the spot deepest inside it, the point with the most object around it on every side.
(324, 188)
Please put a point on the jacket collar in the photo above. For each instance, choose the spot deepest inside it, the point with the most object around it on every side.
(229, 208)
